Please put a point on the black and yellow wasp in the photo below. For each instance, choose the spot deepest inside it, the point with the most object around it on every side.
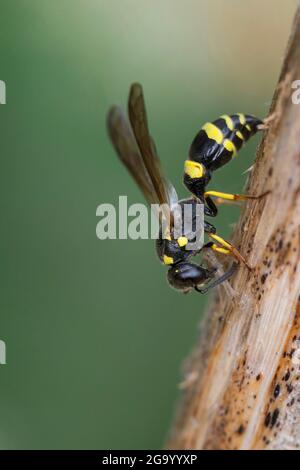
(213, 146)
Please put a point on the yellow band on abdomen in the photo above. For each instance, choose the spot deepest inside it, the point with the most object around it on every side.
(193, 169)
(213, 132)
(242, 118)
(229, 121)
(229, 146)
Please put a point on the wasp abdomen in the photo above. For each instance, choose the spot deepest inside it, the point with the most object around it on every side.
(218, 141)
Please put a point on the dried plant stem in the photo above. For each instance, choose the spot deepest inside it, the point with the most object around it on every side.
(242, 381)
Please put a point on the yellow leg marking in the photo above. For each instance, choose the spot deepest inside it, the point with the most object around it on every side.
(213, 132)
(230, 248)
(219, 249)
(229, 121)
(233, 197)
(220, 240)
(230, 197)
(225, 202)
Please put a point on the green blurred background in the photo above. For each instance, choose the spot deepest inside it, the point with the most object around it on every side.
(95, 337)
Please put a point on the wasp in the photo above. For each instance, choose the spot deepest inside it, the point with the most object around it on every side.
(213, 146)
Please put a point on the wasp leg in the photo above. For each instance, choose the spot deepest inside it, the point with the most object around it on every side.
(227, 248)
(210, 209)
(209, 228)
(267, 121)
(220, 249)
(218, 281)
(224, 202)
(233, 197)
(207, 245)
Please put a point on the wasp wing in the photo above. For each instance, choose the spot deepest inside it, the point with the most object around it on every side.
(124, 142)
(138, 120)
